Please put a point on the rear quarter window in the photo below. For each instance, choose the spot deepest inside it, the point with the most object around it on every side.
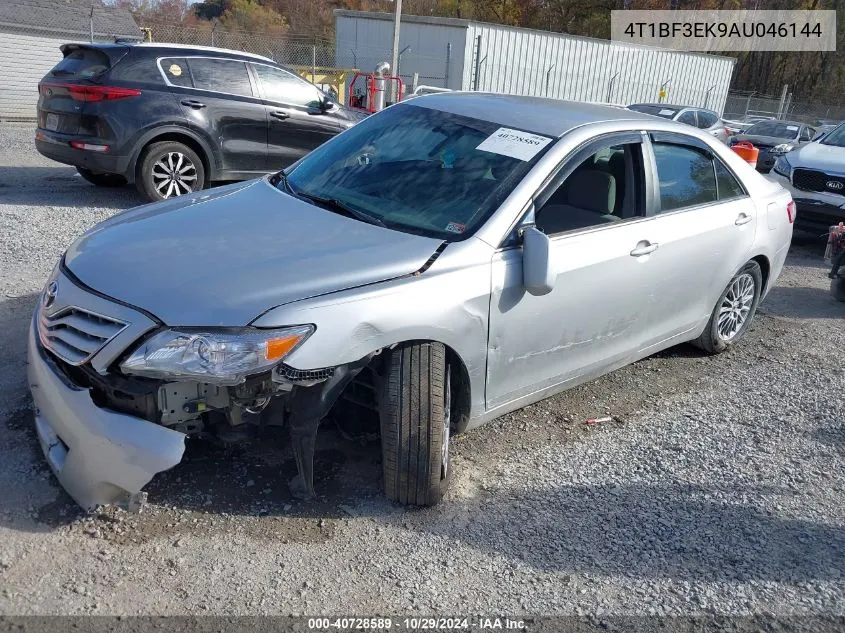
(81, 63)
(176, 71)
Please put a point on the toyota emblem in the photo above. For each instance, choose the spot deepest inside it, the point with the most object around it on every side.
(836, 185)
(50, 294)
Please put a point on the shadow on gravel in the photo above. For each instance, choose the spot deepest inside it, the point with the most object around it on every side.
(800, 302)
(671, 531)
(60, 186)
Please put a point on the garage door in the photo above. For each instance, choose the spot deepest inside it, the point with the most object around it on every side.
(24, 60)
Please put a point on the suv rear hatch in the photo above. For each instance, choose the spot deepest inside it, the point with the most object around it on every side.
(74, 82)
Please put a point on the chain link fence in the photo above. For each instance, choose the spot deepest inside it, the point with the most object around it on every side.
(742, 105)
(290, 50)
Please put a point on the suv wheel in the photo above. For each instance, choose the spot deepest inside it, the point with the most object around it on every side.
(415, 407)
(169, 169)
(734, 310)
(102, 180)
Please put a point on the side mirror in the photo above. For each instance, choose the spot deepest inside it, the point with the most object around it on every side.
(537, 274)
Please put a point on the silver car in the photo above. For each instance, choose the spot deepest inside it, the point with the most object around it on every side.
(702, 118)
(444, 262)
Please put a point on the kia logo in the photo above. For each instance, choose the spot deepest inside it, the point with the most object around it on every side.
(50, 294)
(835, 184)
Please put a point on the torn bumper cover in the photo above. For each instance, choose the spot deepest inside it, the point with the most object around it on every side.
(98, 456)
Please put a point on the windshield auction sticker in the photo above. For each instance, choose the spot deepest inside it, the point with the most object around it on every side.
(514, 143)
(727, 31)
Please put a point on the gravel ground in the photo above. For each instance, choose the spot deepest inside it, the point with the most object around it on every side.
(717, 488)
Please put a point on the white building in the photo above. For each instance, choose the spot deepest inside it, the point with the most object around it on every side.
(466, 55)
(31, 32)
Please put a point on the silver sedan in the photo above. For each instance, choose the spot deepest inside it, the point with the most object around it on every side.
(444, 262)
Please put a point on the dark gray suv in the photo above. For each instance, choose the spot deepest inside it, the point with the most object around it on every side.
(171, 119)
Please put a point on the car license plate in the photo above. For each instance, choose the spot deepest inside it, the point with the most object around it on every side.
(52, 123)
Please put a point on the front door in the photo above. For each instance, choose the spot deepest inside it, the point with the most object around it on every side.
(592, 320)
(297, 120)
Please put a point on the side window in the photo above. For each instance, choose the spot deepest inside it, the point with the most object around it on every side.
(687, 117)
(603, 188)
(176, 71)
(220, 75)
(727, 184)
(706, 119)
(686, 176)
(284, 87)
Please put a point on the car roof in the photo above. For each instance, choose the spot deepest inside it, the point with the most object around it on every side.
(781, 121)
(550, 117)
(203, 49)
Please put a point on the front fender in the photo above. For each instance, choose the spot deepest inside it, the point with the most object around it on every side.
(448, 303)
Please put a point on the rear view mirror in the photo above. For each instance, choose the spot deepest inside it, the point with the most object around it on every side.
(537, 273)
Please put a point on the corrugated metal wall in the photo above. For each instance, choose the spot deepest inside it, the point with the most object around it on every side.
(523, 61)
(24, 60)
(364, 42)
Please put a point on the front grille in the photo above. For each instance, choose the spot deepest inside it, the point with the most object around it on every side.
(813, 180)
(75, 335)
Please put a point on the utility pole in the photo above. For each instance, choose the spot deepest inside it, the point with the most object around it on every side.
(394, 62)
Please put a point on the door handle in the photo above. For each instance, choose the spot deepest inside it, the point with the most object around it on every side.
(192, 103)
(742, 219)
(278, 114)
(644, 248)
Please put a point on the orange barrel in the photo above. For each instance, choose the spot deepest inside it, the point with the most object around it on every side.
(747, 151)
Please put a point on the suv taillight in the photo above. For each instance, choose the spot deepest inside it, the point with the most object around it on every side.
(79, 92)
(791, 211)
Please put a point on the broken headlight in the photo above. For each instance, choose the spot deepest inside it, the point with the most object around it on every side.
(219, 357)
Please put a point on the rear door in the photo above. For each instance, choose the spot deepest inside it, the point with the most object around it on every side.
(217, 95)
(297, 121)
(703, 225)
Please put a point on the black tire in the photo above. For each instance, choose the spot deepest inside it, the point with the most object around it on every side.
(102, 180)
(414, 409)
(151, 174)
(837, 288)
(712, 340)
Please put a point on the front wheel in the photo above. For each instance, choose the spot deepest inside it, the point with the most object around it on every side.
(169, 169)
(415, 413)
(734, 310)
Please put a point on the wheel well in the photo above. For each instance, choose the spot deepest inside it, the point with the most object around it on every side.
(460, 381)
(765, 268)
(179, 138)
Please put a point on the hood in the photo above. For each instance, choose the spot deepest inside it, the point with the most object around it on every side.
(828, 158)
(223, 257)
(764, 141)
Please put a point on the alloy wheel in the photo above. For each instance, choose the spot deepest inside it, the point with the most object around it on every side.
(174, 174)
(736, 306)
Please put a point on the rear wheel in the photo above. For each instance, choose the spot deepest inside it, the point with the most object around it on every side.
(734, 310)
(169, 169)
(415, 413)
(101, 180)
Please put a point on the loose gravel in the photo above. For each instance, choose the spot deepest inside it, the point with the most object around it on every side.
(716, 488)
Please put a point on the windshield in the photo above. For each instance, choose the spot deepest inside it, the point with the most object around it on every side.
(419, 170)
(778, 129)
(667, 112)
(836, 137)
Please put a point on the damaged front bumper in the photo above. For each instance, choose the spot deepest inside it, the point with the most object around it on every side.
(99, 456)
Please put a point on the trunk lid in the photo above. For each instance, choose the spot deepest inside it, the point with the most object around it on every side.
(60, 107)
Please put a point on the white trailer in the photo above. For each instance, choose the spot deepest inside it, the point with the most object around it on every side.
(466, 55)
